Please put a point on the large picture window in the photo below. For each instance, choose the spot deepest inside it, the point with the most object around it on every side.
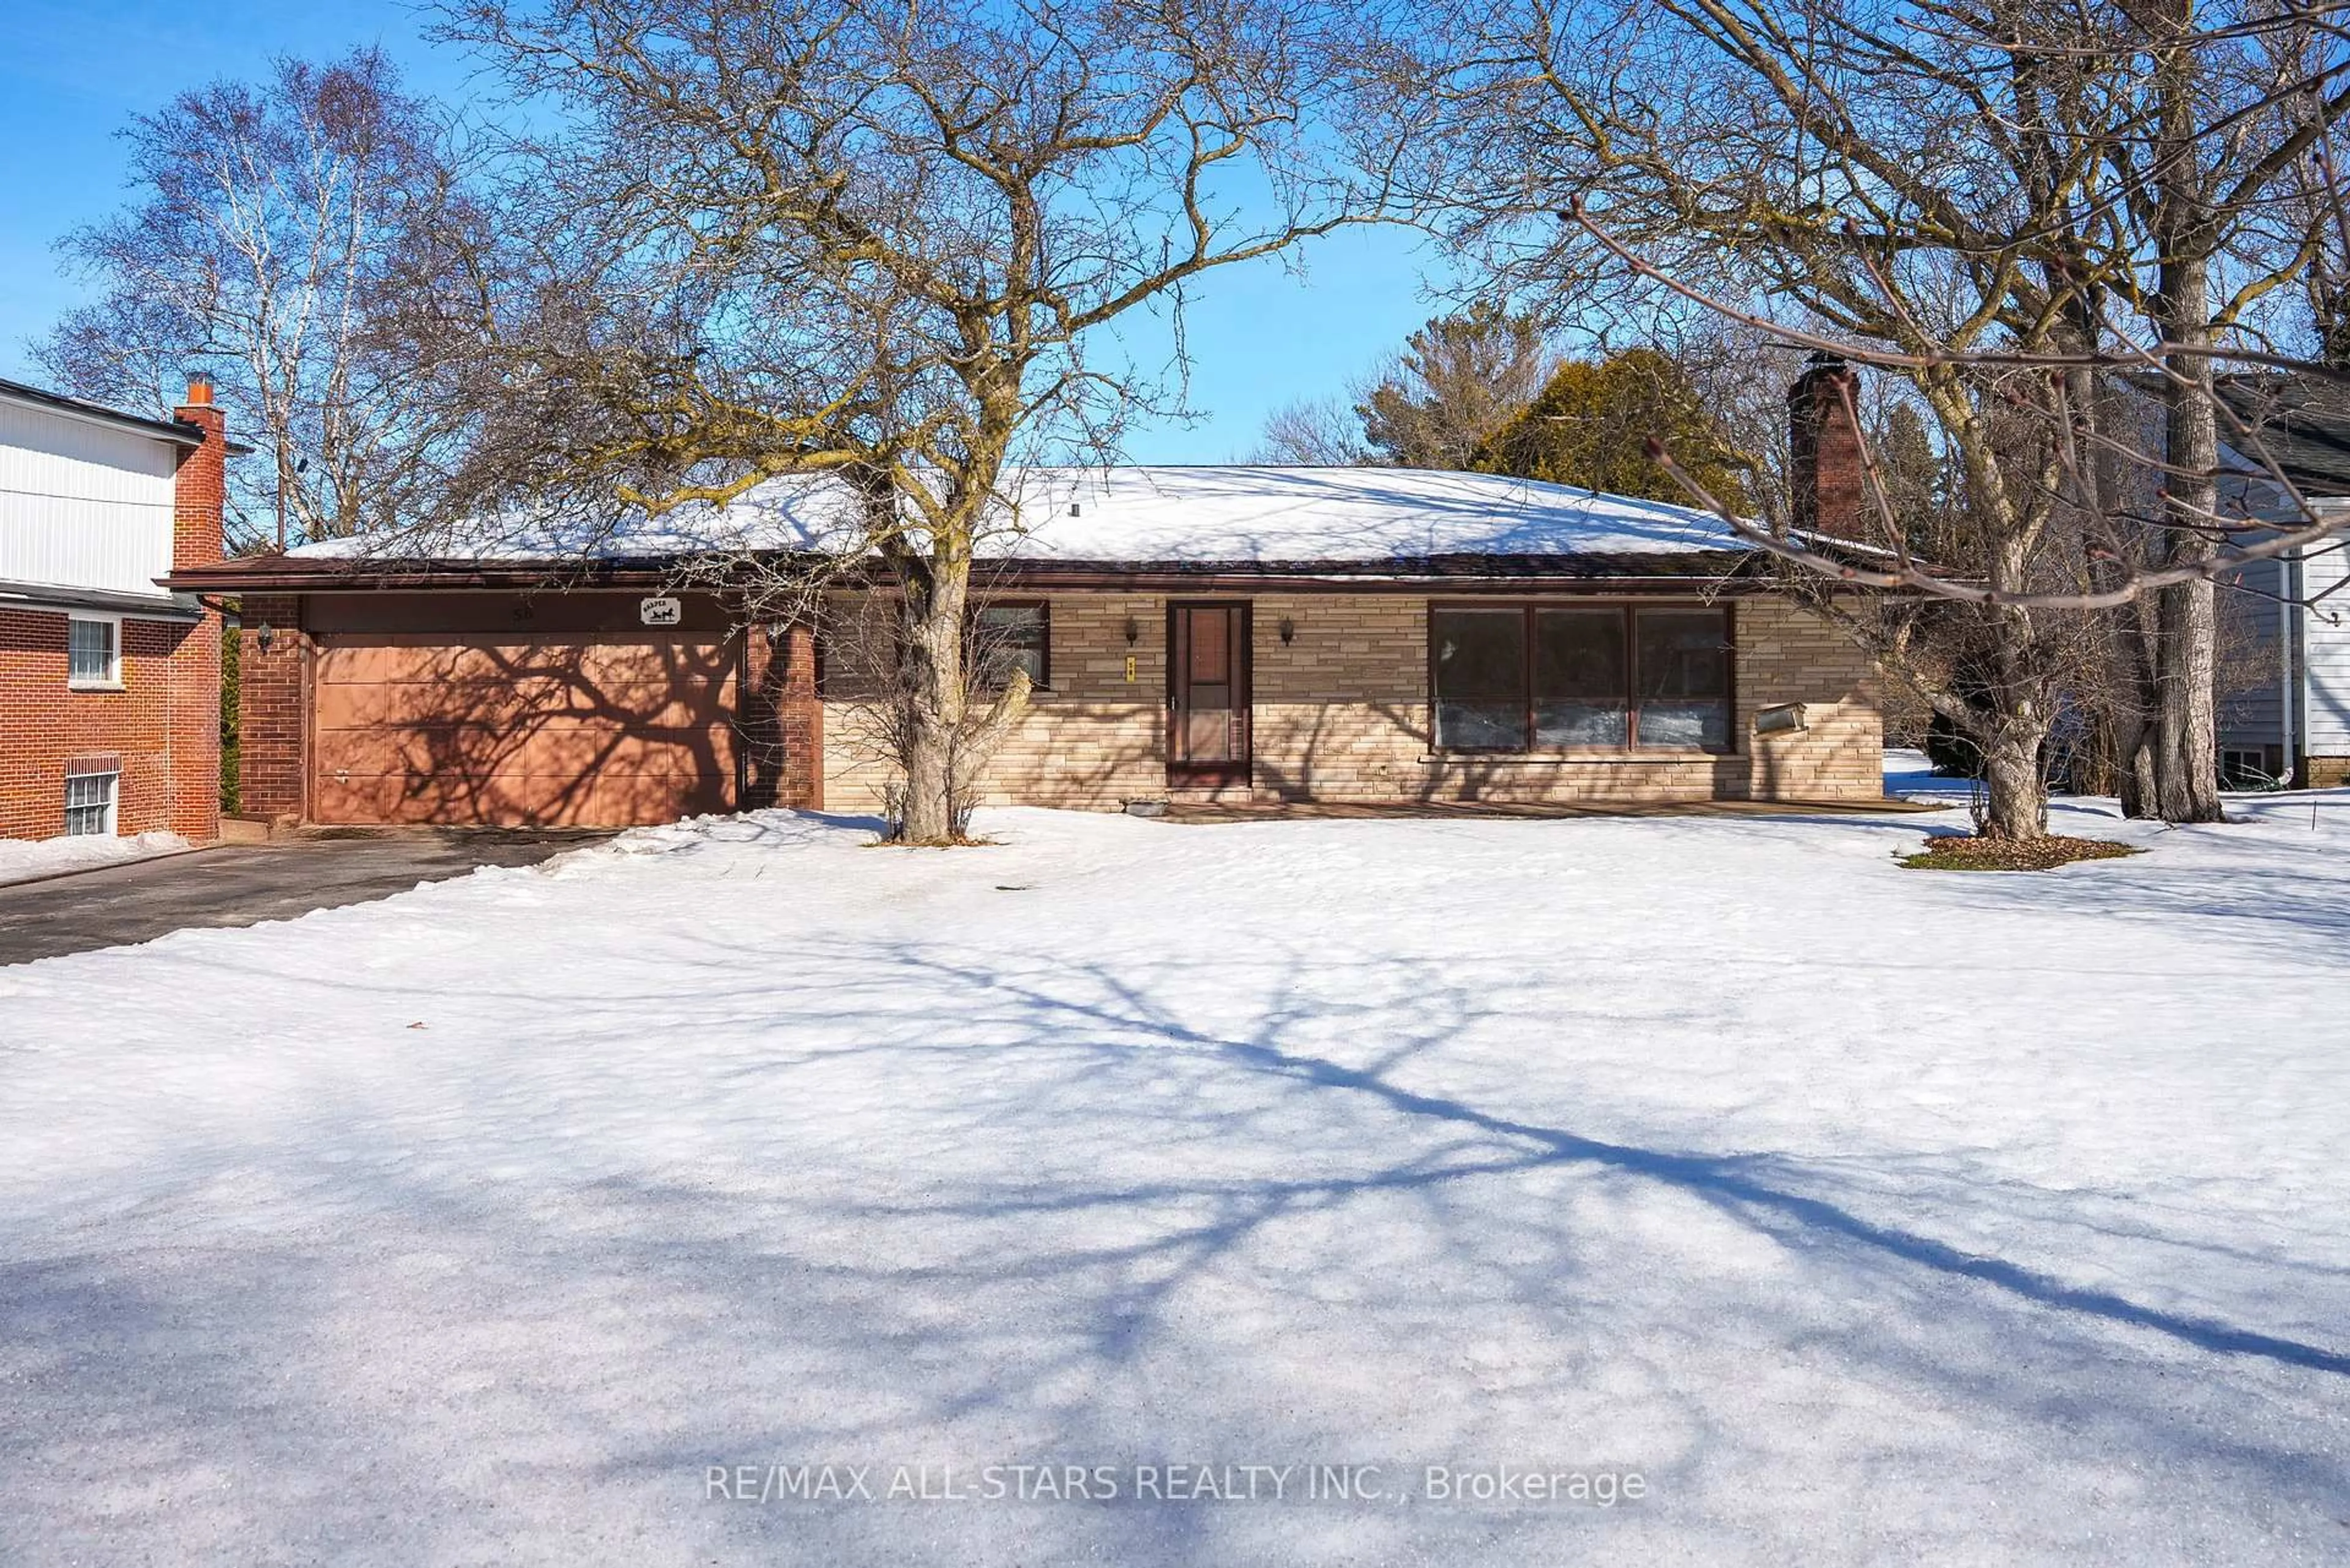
(1534, 678)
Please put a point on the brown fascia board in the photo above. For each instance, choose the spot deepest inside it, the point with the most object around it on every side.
(1477, 574)
(1729, 569)
(278, 573)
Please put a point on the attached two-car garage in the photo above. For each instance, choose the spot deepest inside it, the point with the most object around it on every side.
(509, 709)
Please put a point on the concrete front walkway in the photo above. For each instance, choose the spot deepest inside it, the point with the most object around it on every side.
(244, 884)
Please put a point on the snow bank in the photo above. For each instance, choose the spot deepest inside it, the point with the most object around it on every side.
(21, 858)
(1871, 1215)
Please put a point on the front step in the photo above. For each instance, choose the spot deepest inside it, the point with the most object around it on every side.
(1223, 794)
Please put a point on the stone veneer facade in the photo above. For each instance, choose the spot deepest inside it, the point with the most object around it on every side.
(1341, 713)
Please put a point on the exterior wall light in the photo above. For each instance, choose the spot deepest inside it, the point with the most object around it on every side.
(268, 637)
(1288, 631)
(1133, 632)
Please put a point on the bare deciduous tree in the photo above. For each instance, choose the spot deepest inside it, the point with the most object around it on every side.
(270, 232)
(1323, 431)
(875, 713)
(2023, 212)
(877, 241)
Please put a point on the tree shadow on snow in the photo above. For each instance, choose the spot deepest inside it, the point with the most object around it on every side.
(667, 1310)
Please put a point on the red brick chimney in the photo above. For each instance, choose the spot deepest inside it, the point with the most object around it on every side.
(200, 497)
(1824, 445)
(200, 488)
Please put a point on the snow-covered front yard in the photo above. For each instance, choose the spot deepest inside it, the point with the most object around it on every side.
(1866, 1215)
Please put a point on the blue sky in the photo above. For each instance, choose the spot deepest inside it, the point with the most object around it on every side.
(70, 75)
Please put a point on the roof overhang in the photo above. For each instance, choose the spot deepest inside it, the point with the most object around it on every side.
(61, 600)
(1662, 573)
(57, 403)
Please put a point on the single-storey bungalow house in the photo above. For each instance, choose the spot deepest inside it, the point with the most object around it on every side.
(109, 685)
(1322, 634)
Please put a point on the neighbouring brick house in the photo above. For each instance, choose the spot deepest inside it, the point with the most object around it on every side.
(1372, 635)
(109, 685)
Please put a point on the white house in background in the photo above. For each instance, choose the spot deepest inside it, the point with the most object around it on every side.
(110, 684)
(2285, 713)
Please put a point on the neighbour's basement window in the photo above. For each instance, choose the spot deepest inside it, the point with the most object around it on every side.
(93, 651)
(89, 804)
(1006, 637)
(1524, 678)
(2244, 768)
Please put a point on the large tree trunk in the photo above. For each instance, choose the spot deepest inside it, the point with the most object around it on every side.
(2135, 696)
(2187, 626)
(2137, 788)
(2016, 802)
(2187, 748)
(931, 695)
(2186, 727)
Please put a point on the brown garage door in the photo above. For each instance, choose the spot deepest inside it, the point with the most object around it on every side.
(514, 727)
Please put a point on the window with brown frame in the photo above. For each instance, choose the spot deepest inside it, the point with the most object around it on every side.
(1009, 637)
(1528, 678)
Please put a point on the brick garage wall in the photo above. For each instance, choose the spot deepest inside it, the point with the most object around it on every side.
(1341, 713)
(782, 722)
(193, 724)
(272, 707)
(164, 725)
(780, 725)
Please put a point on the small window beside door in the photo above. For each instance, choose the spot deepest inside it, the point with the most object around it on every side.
(1006, 637)
(93, 653)
(1523, 678)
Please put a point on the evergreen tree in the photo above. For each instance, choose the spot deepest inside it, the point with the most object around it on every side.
(1591, 424)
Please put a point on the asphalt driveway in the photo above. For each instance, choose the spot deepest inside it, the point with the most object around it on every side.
(243, 884)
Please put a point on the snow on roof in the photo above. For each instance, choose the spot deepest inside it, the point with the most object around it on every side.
(1188, 515)
(1268, 515)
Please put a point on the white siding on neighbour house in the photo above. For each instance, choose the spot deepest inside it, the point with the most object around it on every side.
(2251, 697)
(2326, 642)
(83, 506)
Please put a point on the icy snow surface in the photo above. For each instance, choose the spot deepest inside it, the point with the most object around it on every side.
(1870, 1215)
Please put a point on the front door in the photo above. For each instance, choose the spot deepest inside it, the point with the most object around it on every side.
(1208, 693)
